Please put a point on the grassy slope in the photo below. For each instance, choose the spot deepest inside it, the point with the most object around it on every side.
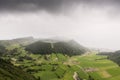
(9, 72)
(62, 67)
(105, 69)
(47, 66)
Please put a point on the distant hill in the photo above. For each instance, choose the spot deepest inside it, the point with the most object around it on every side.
(19, 41)
(9, 72)
(44, 46)
(115, 56)
(49, 46)
(2, 49)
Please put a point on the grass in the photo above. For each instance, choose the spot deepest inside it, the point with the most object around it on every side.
(105, 69)
(61, 67)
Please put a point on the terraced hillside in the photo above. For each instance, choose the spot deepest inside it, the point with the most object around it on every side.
(60, 60)
(54, 66)
(59, 66)
(99, 67)
(10, 72)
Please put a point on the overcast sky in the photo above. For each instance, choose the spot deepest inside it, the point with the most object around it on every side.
(93, 23)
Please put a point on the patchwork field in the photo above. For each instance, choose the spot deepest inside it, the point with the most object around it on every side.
(62, 67)
(99, 67)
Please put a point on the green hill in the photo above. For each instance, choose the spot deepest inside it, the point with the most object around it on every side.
(44, 46)
(10, 72)
(21, 41)
(88, 66)
(115, 56)
(56, 59)
(47, 47)
(7, 44)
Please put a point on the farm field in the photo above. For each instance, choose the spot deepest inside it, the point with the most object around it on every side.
(58, 66)
(99, 67)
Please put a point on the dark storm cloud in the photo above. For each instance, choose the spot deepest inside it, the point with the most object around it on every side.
(32, 5)
(50, 5)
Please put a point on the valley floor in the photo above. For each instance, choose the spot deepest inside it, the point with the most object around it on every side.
(98, 67)
(62, 67)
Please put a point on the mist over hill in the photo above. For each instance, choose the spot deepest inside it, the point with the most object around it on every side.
(5, 44)
(21, 41)
(52, 57)
(45, 46)
(49, 46)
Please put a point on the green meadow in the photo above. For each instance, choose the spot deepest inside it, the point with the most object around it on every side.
(89, 66)
(99, 67)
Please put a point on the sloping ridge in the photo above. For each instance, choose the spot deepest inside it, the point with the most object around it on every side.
(10, 72)
(70, 47)
(21, 41)
(115, 56)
